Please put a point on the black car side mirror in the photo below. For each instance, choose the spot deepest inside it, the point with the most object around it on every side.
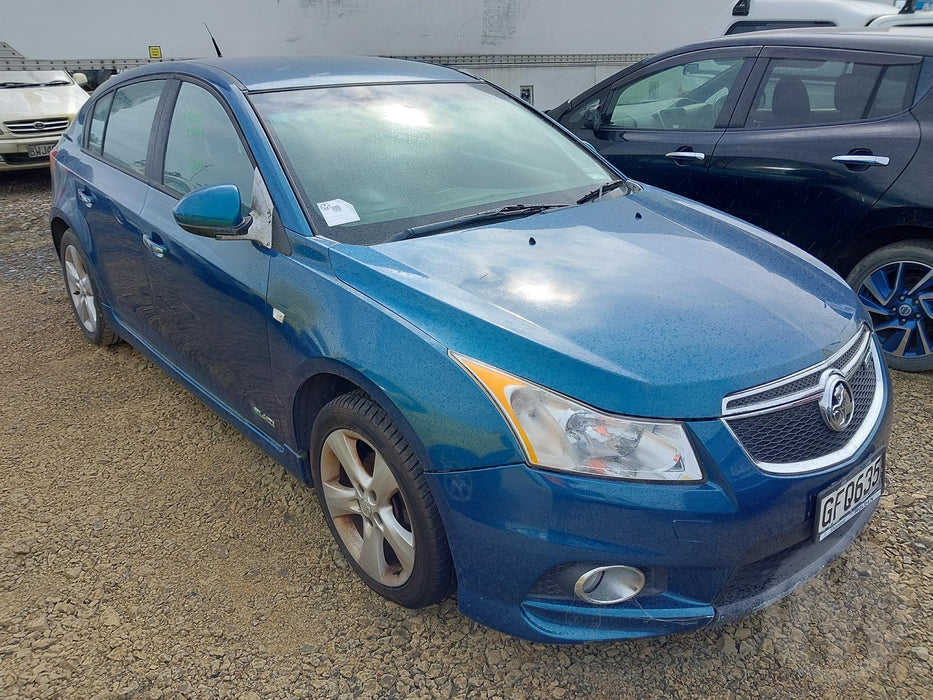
(592, 119)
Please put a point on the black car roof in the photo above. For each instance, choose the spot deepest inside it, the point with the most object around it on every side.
(912, 43)
(890, 41)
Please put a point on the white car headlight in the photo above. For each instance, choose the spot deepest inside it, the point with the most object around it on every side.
(556, 432)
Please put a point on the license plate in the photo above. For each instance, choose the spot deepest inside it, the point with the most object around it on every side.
(839, 504)
(39, 151)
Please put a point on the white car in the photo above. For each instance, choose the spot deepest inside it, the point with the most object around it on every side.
(35, 109)
(758, 15)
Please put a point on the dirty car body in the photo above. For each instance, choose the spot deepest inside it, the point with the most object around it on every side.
(599, 410)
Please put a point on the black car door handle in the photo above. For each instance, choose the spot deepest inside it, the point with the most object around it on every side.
(157, 249)
(86, 198)
(686, 155)
(862, 160)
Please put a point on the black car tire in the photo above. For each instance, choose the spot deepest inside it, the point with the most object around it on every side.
(373, 512)
(84, 292)
(918, 256)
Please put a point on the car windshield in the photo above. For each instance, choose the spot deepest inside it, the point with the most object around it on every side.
(33, 78)
(373, 160)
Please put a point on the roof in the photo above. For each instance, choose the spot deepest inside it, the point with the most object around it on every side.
(284, 72)
(825, 37)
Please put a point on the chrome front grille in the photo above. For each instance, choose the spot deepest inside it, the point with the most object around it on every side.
(780, 424)
(31, 127)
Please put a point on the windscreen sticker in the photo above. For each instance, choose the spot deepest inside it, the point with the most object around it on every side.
(337, 211)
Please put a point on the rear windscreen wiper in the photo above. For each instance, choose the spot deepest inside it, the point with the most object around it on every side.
(511, 210)
(603, 189)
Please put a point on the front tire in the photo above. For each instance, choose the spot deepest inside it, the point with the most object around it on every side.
(83, 292)
(377, 503)
(895, 285)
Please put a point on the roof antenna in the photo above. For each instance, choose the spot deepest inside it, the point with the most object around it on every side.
(213, 41)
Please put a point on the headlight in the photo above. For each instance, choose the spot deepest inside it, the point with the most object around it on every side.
(556, 432)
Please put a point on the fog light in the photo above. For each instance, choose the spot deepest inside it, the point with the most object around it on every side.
(608, 585)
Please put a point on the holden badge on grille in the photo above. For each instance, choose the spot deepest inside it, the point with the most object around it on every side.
(837, 405)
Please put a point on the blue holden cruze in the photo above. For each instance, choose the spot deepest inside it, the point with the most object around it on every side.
(599, 410)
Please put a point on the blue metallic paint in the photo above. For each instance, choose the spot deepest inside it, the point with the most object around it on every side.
(511, 525)
(384, 317)
(213, 207)
(585, 312)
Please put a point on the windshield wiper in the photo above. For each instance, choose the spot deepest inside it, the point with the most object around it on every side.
(18, 85)
(56, 82)
(509, 211)
(603, 189)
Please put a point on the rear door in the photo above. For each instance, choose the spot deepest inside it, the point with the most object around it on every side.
(818, 136)
(209, 295)
(660, 125)
(112, 193)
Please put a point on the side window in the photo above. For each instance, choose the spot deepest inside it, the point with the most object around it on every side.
(798, 92)
(895, 91)
(688, 96)
(204, 148)
(126, 136)
(574, 119)
(95, 137)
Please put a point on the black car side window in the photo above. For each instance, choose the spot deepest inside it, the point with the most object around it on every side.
(687, 96)
(204, 147)
(802, 92)
(126, 136)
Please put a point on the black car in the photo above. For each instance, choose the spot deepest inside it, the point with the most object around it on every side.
(824, 137)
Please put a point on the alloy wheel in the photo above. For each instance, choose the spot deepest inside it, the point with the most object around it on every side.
(899, 297)
(80, 289)
(367, 508)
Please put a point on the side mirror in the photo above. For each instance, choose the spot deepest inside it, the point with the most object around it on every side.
(213, 212)
(80, 79)
(591, 119)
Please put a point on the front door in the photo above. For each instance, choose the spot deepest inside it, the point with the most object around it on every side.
(210, 295)
(660, 125)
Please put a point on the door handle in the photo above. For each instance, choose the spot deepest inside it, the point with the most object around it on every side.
(686, 155)
(157, 248)
(862, 160)
(87, 199)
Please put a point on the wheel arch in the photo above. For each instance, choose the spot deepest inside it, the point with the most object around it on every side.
(329, 379)
(880, 232)
(58, 226)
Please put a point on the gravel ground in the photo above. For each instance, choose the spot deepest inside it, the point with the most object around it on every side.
(148, 550)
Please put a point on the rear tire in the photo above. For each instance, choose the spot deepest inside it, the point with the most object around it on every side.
(895, 285)
(377, 503)
(83, 292)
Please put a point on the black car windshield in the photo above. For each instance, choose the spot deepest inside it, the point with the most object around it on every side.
(372, 160)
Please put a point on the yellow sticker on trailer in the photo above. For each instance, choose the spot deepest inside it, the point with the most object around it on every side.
(155, 52)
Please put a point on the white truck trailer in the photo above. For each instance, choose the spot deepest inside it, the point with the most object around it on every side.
(542, 50)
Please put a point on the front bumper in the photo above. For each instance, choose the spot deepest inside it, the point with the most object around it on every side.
(14, 152)
(711, 552)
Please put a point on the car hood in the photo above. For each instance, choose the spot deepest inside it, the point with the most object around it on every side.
(648, 305)
(41, 102)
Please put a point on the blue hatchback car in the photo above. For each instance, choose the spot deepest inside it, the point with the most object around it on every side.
(598, 410)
